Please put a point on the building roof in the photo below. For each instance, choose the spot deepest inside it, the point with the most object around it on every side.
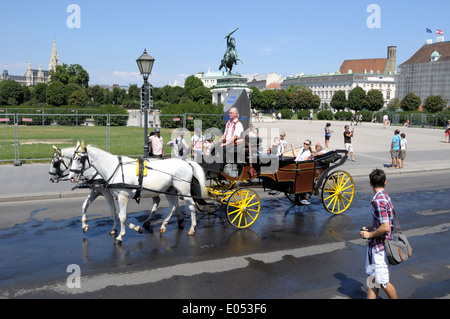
(274, 86)
(423, 55)
(363, 66)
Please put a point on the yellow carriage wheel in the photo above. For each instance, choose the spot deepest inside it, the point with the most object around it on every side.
(243, 208)
(337, 192)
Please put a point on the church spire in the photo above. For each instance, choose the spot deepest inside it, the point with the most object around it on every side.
(54, 58)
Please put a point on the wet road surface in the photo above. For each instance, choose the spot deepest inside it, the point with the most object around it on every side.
(290, 252)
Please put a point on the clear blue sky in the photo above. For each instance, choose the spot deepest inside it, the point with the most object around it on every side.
(186, 36)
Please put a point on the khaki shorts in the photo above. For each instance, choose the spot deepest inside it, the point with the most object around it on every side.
(394, 154)
(402, 154)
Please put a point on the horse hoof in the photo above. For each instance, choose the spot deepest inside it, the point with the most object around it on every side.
(146, 225)
(113, 232)
(117, 242)
(162, 231)
(139, 230)
(191, 233)
(85, 229)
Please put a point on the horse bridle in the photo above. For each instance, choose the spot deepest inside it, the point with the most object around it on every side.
(57, 159)
(83, 155)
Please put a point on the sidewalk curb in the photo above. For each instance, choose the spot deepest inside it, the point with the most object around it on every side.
(42, 196)
(85, 193)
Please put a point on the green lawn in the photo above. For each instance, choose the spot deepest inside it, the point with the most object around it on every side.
(35, 142)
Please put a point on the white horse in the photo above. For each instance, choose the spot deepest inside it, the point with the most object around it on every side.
(61, 161)
(163, 176)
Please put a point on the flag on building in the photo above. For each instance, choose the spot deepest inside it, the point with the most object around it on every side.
(440, 32)
(429, 30)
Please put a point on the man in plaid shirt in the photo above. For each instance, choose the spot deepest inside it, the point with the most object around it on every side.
(381, 230)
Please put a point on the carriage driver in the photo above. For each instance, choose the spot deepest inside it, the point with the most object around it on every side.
(232, 138)
(233, 129)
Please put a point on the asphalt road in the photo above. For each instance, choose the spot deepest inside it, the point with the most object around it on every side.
(291, 252)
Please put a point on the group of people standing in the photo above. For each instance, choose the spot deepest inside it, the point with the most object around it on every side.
(199, 145)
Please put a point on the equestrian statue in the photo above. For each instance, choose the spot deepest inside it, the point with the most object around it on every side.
(230, 58)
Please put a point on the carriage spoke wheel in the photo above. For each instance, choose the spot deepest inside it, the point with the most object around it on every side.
(243, 208)
(337, 192)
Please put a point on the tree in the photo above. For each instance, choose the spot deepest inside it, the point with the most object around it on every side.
(410, 102)
(374, 100)
(304, 100)
(118, 95)
(356, 99)
(70, 88)
(268, 100)
(96, 94)
(191, 83)
(393, 105)
(316, 102)
(201, 94)
(55, 94)
(11, 93)
(434, 104)
(282, 100)
(134, 93)
(256, 98)
(78, 98)
(40, 92)
(339, 101)
(73, 73)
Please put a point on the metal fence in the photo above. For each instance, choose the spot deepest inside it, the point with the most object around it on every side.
(31, 136)
(438, 120)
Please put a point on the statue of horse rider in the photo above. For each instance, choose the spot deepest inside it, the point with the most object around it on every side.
(230, 58)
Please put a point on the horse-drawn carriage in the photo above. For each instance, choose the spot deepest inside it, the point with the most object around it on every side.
(206, 185)
(297, 180)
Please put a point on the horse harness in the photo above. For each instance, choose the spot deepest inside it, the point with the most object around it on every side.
(141, 172)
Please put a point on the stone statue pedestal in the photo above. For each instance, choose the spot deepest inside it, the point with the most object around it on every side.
(226, 84)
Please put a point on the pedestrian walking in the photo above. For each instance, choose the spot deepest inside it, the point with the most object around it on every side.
(403, 147)
(447, 132)
(328, 132)
(381, 230)
(395, 149)
(385, 120)
(348, 141)
(156, 144)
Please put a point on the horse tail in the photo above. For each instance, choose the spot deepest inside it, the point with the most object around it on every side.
(198, 184)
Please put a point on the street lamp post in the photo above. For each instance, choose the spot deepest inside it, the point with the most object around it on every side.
(145, 64)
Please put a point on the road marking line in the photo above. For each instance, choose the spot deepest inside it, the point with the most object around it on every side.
(98, 282)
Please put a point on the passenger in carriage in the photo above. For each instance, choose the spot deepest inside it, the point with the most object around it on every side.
(319, 149)
(283, 144)
(304, 153)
